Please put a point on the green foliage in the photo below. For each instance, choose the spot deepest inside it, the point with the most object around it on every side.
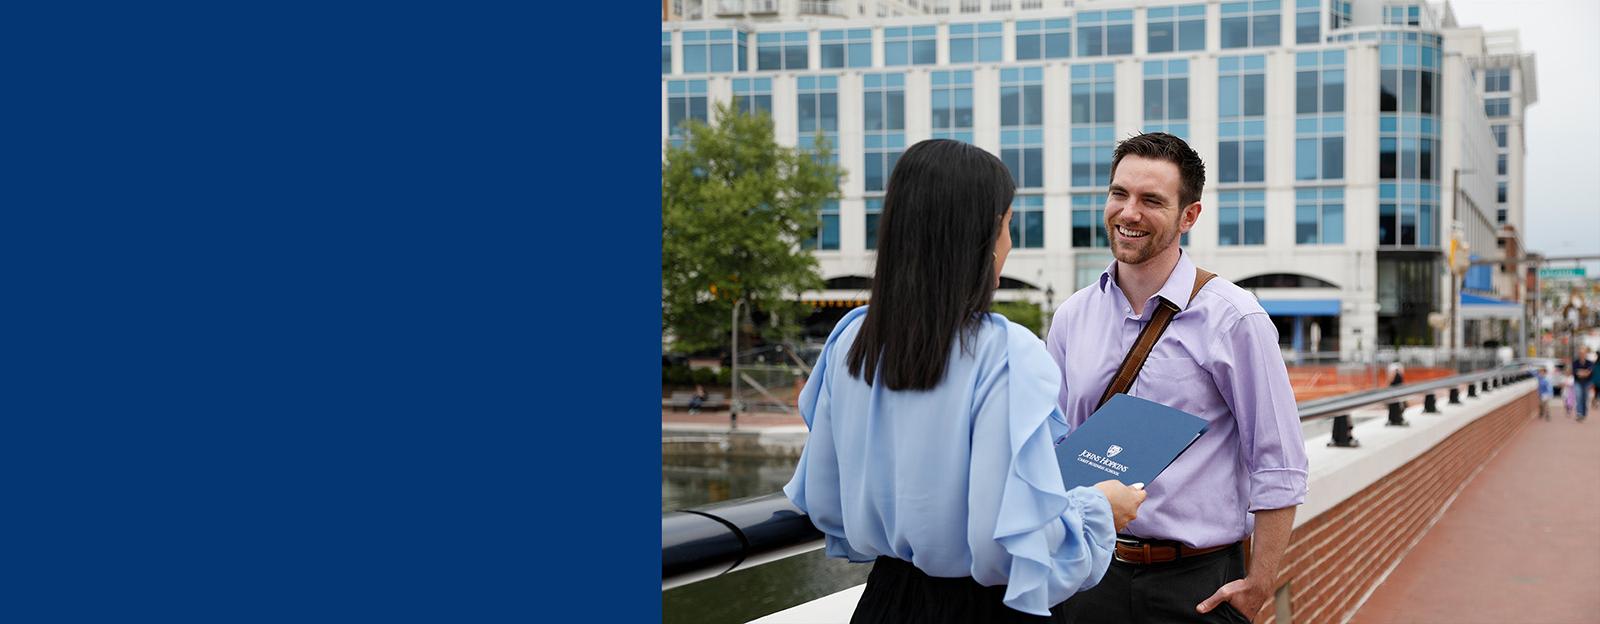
(1022, 313)
(735, 208)
(682, 375)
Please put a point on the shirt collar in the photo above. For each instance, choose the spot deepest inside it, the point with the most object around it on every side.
(1177, 288)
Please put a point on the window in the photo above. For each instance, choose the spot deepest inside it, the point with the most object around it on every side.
(686, 100)
(1338, 14)
(1500, 164)
(1042, 39)
(951, 97)
(1166, 97)
(817, 103)
(827, 234)
(1241, 218)
(712, 51)
(884, 125)
(1500, 192)
(1241, 138)
(1406, 212)
(1093, 118)
(913, 45)
(1104, 33)
(775, 51)
(1407, 131)
(1027, 221)
(666, 53)
(1022, 124)
(753, 95)
(1319, 216)
(1254, 24)
(1408, 79)
(1499, 131)
(1307, 21)
(1319, 118)
(1180, 29)
(1402, 15)
(1406, 148)
(1319, 82)
(1088, 229)
(874, 210)
(975, 43)
(1497, 106)
(846, 48)
(1497, 79)
(1500, 218)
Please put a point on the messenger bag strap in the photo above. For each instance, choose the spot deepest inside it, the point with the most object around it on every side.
(1134, 361)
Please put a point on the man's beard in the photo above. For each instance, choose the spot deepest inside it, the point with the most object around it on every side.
(1144, 249)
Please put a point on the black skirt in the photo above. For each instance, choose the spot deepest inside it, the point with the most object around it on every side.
(898, 592)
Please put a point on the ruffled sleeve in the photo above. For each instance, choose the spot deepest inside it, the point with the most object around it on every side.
(815, 489)
(1058, 542)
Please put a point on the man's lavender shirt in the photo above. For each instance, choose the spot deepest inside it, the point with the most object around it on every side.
(1218, 360)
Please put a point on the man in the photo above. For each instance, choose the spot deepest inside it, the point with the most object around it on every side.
(1582, 377)
(1218, 360)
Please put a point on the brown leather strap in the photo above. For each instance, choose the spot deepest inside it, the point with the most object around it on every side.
(1134, 361)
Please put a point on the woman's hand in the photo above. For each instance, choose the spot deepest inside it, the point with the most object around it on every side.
(1125, 500)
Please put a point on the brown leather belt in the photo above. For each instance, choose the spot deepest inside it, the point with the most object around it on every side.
(1147, 552)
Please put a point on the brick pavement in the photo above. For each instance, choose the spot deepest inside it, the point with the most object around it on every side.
(1521, 542)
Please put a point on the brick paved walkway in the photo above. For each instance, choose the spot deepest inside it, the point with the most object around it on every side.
(1520, 544)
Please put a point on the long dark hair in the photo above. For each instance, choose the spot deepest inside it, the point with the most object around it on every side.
(934, 279)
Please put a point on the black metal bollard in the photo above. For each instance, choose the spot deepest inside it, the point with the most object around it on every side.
(1455, 396)
(1472, 391)
(1430, 404)
(1397, 415)
(1341, 433)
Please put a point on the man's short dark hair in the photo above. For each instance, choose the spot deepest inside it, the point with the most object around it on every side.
(1163, 146)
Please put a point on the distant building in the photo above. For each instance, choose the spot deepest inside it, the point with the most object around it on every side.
(1346, 142)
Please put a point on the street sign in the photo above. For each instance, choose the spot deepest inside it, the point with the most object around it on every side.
(1561, 273)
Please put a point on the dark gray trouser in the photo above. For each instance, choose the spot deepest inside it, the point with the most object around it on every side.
(1158, 593)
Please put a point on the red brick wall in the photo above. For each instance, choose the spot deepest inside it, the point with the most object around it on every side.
(1336, 558)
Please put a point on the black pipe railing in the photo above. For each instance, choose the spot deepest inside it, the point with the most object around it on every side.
(712, 540)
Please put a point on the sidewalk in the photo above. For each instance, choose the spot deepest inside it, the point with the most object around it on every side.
(747, 420)
(1521, 542)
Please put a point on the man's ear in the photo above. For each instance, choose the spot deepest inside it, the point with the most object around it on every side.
(1191, 214)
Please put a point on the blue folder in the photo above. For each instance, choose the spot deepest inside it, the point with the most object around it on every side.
(1128, 439)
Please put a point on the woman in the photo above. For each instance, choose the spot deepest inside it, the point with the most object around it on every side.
(930, 448)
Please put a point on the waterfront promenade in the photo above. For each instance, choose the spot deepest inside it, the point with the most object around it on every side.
(1520, 543)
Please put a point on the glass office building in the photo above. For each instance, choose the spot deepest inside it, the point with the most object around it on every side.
(1347, 143)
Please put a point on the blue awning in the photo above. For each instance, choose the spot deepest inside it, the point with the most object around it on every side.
(1479, 307)
(1301, 307)
(1471, 299)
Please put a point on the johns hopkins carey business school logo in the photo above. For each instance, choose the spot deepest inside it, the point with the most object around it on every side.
(1103, 462)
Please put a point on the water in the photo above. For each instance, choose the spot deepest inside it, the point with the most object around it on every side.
(747, 594)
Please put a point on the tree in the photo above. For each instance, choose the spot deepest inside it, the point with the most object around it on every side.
(736, 208)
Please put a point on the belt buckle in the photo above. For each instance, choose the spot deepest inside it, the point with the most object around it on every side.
(1136, 545)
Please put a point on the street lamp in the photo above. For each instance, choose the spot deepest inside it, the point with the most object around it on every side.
(733, 360)
(1049, 308)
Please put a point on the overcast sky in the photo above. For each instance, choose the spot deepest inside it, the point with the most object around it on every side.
(1563, 163)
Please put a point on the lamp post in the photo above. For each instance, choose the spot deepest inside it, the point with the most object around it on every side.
(733, 360)
(1049, 308)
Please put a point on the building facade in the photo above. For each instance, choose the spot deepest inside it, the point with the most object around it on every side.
(1353, 148)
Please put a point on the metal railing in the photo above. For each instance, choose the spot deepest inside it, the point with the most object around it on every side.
(713, 540)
